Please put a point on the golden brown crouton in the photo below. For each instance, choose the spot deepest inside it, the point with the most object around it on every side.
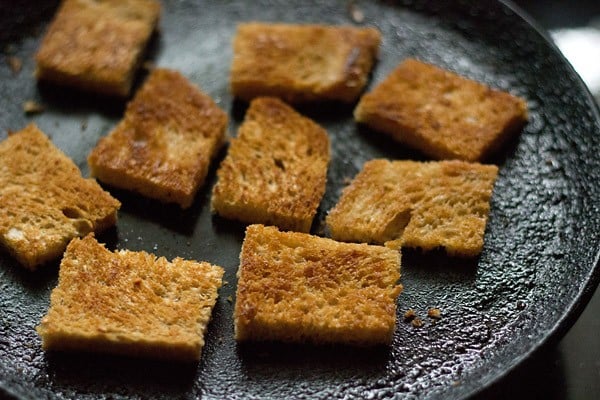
(163, 146)
(295, 287)
(44, 201)
(440, 113)
(417, 204)
(275, 170)
(129, 303)
(301, 63)
(97, 45)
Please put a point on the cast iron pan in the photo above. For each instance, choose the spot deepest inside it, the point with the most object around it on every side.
(538, 269)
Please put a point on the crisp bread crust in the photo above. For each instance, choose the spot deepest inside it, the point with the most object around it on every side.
(97, 45)
(44, 201)
(301, 63)
(163, 146)
(275, 170)
(129, 303)
(294, 287)
(427, 205)
(441, 113)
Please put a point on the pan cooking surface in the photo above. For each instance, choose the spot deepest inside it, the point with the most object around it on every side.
(537, 270)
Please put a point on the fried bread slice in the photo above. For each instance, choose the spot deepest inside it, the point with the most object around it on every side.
(440, 113)
(417, 204)
(295, 287)
(163, 146)
(97, 45)
(44, 200)
(130, 303)
(275, 170)
(301, 63)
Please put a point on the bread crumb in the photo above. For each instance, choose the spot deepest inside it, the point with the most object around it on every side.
(32, 107)
(409, 315)
(356, 13)
(417, 322)
(434, 313)
(15, 64)
(230, 299)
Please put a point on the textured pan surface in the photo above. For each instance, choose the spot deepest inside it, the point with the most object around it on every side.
(538, 268)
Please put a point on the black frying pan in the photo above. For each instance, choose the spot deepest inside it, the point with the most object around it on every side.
(538, 269)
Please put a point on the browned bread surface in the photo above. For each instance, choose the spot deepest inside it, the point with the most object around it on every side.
(295, 287)
(129, 303)
(441, 113)
(301, 63)
(163, 146)
(276, 169)
(417, 204)
(44, 201)
(97, 45)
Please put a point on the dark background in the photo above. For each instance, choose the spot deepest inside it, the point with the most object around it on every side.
(553, 14)
(569, 369)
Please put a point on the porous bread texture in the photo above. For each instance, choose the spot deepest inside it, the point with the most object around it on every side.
(294, 287)
(97, 45)
(441, 113)
(417, 204)
(164, 145)
(130, 303)
(44, 200)
(275, 170)
(301, 63)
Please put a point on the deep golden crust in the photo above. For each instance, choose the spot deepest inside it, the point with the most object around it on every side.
(97, 45)
(275, 170)
(295, 287)
(163, 146)
(44, 201)
(441, 113)
(129, 303)
(301, 63)
(415, 204)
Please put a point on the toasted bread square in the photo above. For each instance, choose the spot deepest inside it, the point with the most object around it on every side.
(44, 201)
(417, 204)
(97, 45)
(294, 287)
(441, 113)
(300, 63)
(130, 303)
(163, 146)
(276, 169)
